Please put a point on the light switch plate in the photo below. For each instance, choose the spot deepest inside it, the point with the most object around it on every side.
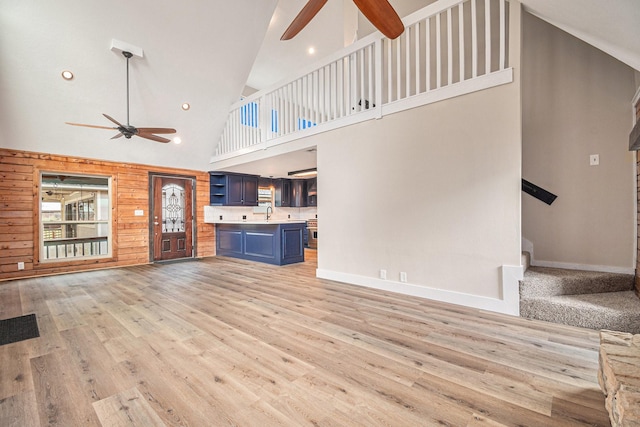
(594, 160)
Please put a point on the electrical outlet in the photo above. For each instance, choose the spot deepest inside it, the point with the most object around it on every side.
(403, 277)
(594, 159)
(383, 274)
(21, 265)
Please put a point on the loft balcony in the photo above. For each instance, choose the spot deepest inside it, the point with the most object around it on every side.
(448, 49)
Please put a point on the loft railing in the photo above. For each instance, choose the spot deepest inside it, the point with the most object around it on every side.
(75, 247)
(448, 48)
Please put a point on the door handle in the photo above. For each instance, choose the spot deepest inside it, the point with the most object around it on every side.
(156, 223)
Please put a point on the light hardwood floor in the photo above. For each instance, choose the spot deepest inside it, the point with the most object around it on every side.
(228, 342)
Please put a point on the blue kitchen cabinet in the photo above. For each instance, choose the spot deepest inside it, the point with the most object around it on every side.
(282, 192)
(312, 192)
(229, 189)
(271, 243)
(299, 193)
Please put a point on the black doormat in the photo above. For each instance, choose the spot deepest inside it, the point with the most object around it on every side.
(18, 329)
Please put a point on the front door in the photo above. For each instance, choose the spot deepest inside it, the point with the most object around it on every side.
(172, 222)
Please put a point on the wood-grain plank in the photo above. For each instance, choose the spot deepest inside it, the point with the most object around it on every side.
(58, 392)
(19, 410)
(11, 305)
(15, 370)
(232, 342)
(97, 374)
(128, 408)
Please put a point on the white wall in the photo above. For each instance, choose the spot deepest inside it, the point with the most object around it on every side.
(433, 192)
(577, 102)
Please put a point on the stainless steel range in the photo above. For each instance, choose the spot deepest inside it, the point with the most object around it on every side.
(312, 232)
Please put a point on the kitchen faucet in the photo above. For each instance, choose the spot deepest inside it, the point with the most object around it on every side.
(269, 209)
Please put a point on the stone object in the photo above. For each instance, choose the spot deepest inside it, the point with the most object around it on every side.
(619, 376)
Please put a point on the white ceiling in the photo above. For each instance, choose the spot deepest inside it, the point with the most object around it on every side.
(201, 52)
(197, 51)
(278, 59)
(612, 26)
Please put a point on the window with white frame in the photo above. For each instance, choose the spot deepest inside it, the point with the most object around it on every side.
(75, 217)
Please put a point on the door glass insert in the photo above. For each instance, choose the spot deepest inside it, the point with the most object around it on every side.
(173, 209)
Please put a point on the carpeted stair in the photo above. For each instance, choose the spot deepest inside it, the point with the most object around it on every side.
(587, 299)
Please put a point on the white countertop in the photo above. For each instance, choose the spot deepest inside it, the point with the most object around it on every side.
(259, 222)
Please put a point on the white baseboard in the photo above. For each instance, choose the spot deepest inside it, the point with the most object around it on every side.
(585, 267)
(509, 304)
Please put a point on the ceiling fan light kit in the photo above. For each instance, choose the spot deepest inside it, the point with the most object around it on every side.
(379, 12)
(128, 130)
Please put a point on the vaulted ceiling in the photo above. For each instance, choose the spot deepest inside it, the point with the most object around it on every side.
(200, 52)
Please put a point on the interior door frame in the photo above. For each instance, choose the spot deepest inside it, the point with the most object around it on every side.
(194, 238)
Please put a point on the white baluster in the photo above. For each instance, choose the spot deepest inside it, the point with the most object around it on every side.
(427, 35)
(407, 61)
(487, 36)
(438, 52)
(461, 39)
(449, 48)
(503, 26)
(474, 40)
(416, 38)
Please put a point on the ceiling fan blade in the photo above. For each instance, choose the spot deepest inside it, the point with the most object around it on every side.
(302, 19)
(117, 136)
(90, 126)
(382, 15)
(153, 137)
(113, 120)
(156, 130)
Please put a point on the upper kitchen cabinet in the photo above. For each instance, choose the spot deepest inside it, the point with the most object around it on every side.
(264, 182)
(299, 193)
(312, 192)
(282, 192)
(295, 193)
(229, 189)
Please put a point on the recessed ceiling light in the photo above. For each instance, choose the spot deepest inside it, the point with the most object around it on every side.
(67, 75)
(177, 140)
(312, 50)
(186, 106)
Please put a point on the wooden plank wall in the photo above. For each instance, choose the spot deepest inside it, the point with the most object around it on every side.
(19, 231)
(637, 107)
(638, 216)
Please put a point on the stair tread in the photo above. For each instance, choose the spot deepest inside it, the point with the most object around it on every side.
(619, 300)
(588, 299)
(618, 311)
(547, 281)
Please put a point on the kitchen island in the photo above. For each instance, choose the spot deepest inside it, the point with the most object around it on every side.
(272, 242)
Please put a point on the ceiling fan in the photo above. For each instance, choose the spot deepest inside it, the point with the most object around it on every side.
(379, 12)
(127, 130)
